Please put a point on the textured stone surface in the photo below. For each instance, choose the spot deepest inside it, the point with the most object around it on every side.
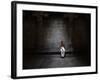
(54, 61)
(43, 31)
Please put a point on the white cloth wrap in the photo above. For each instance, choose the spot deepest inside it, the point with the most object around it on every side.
(62, 49)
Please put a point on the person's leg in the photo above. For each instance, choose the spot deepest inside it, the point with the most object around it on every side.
(61, 54)
(64, 53)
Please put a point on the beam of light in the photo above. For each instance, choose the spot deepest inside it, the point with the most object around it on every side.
(56, 31)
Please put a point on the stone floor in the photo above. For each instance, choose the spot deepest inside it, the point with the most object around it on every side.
(54, 61)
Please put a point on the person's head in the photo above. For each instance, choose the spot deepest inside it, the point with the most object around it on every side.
(62, 43)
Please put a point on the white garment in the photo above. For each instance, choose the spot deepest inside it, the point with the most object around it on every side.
(62, 49)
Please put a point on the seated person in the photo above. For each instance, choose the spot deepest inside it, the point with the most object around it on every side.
(62, 49)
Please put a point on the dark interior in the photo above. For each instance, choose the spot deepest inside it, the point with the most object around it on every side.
(43, 32)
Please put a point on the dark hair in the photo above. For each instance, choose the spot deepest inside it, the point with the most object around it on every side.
(62, 44)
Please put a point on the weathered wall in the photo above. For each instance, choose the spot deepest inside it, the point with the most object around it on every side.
(44, 31)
